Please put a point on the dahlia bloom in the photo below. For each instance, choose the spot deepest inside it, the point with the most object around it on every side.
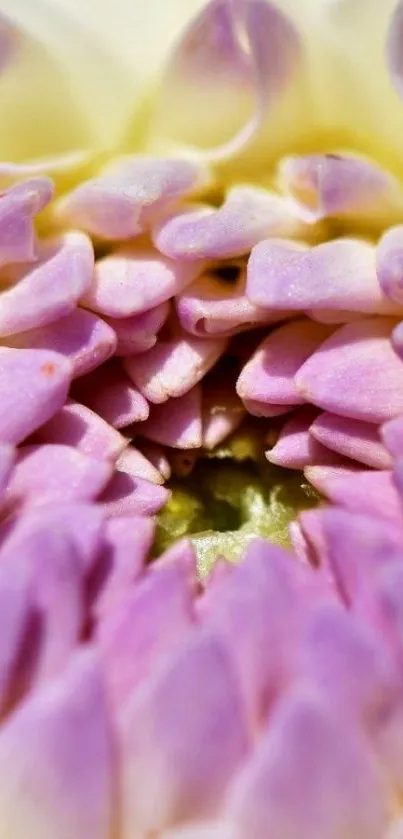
(201, 323)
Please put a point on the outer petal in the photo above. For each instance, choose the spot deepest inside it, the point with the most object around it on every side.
(56, 760)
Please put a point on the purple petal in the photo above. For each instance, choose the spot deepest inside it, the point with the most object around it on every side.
(392, 435)
(268, 376)
(15, 603)
(85, 340)
(139, 633)
(312, 776)
(262, 409)
(371, 493)
(80, 523)
(174, 365)
(138, 333)
(50, 289)
(156, 455)
(389, 263)
(144, 278)
(111, 394)
(42, 377)
(340, 274)
(7, 458)
(129, 495)
(76, 425)
(127, 542)
(56, 597)
(48, 473)
(56, 760)
(355, 373)
(176, 423)
(182, 738)
(122, 201)
(222, 411)
(134, 462)
(248, 47)
(341, 185)
(212, 307)
(295, 447)
(247, 215)
(18, 206)
(352, 438)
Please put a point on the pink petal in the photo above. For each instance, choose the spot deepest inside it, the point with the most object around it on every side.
(127, 542)
(371, 493)
(268, 377)
(212, 306)
(56, 607)
(132, 461)
(392, 435)
(78, 426)
(50, 289)
(85, 340)
(355, 373)
(56, 760)
(389, 263)
(174, 365)
(80, 523)
(138, 333)
(222, 411)
(182, 738)
(15, 603)
(247, 215)
(48, 473)
(340, 274)
(18, 205)
(127, 195)
(341, 185)
(138, 634)
(352, 438)
(42, 378)
(176, 423)
(142, 277)
(295, 447)
(128, 495)
(263, 409)
(7, 458)
(312, 776)
(111, 394)
(156, 455)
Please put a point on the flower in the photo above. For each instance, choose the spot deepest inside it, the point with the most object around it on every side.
(201, 271)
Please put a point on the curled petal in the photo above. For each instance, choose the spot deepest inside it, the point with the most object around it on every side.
(222, 411)
(312, 776)
(177, 422)
(144, 278)
(247, 215)
(174, 365)
(295, 447)
(340, 274)
(52, 288)
(355, 373)
(182, 738)
(83, 339)
(156, 455)
(340, 185)
(268, 377)
(130, 193)
(389, 263)
(210, 306)
(76, 425)
(18, 206)
(134, 462)
(43, 377)
(392, 435)
(48, 473)
(138, 333)
(250, 47)
(56, 759)
(127, 494)
(111, 394)
(371, 493)
(352, 438)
